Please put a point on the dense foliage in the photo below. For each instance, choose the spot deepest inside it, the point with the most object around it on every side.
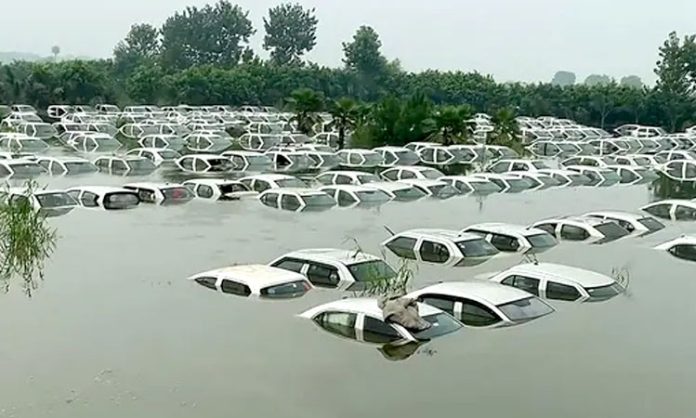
(201, 56)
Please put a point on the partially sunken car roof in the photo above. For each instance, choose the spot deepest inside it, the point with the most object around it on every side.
(691, 203)
(617, 214)
(493, 293)
(503, 228)
(683, 240)
(151, 149)
(441, 233)
(153, 185)
(366, 306)
(465, 179)
(302, 191)
(349, 188)
(101, 189)
(563, 273)
(256, 276)
(212, 182)
(206, 156)
(347, 257)
(241, 153)
(269, 177)
(422, 182)
(63, 159)
(347, 173)
(389, 185)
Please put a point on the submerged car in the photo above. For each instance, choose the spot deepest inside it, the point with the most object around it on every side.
(673, 209)
(599, 177)
(22, 143)
(359, 158)
(164, 194)
(582, 228)
(411, 173)
(204, 164)
(290, 161)
(513, 238)
(125, 165)
(256, 281)
(630, 174)
(336, 268)
(93, 142)
(158, 156)
(399, 192)
(104, 197)
(219, 189)
(249, 160)
(346, 177)
(397, 156)
(683, 247)
(206, 143)
(432, 188)
(440, 246)
(631, 222)
(263, 182)
(20, 169)
(539, 181)
(48, 202)
(567, 178)
(506, 166)
(483, 304)
(681, 170)
(172, 142)
(508, 183)
(560, 282)
(349, 195)
(66, 166)
(297, 200)
(471, 185)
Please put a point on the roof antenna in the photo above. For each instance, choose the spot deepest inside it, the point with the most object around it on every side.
(389, 230)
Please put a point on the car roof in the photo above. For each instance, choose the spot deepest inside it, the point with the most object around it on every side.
(560, 272)
(349, 187)
(504, 228)
(101, 189)
(206, 156)
(347, 173)
(346, 257)
(62, 159)
(491, 292)
(212, 182)
(618, 215)
(242, 153)
(269, 177)
(389, 185)
(391, 148)
(151, 149)
(368, 306)
(256, 276)
(153, 185)
(418, 168)
(358, 151)
(422, 182)
(302, 191)
(587, 220)
(465, 179)
(503, 176)
(682, 240)
(448, 234)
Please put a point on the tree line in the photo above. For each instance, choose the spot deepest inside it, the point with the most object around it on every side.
(202, 56)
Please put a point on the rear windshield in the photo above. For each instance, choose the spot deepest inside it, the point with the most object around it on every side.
(141, 164)
(368, 271)
(81, 167)
(480, 186)
(368, 178)
(652, 224)
(178, 194)
(431, 174)
(611, 230)
(318, 200)
(410, 193)
(525, 309)
(121, 200)
(28, 169)
(286, 290)
(372, 196)
(440, 324)
(604, 292)
(477, 248)
(292, 182)
(543, 240)
(55, 200)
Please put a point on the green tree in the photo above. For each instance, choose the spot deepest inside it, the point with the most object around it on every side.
(213, 35)
(345, 113)
(452, 122)
(632, 81)
(142, 44)
(563, 79)
(364, 54)
(290, 33)
(674, 94)
(305, 104)
(146, 83)
(506, 131)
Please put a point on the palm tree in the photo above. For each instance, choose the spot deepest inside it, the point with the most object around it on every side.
(305, 104)
(345, 115)
(452, 122)
(506, 130)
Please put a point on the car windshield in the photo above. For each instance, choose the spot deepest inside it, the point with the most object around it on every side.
(431, 174)
(291, 182)
(286, 290)
(106, 143)
(540, 165)
(44, 131)
(80, 167)
(542, 240)
(31, 144)
(407, 157)
(519, 183)
(484, 187)
(611, 230)
(440, 324)
(258, 160)
(651, 223)
(604, 292)
(477, 248)
(367, 178)
(443, 191)
(548, 181)
(525, 309)
(459, 154)
(644, 161)
(409, 193)
(610, 175)
(318, 199)
(220, 164)
(300, 160)
(121, 200)
(369, 271)
(169, 154)
(178, 194)
(140, 164)
(578, 179)
(372, 196)
(372, 159)
(55, 200)
(27, 169)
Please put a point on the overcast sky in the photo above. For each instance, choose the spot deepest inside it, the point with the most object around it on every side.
(526, 40)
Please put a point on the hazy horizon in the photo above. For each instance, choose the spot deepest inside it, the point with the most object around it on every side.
(511, 40)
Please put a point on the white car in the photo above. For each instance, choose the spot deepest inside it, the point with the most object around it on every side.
(248, 160)
(643, 160)
(359, 158)
(20, 168)
(582, 228)
(125, 165)
(471, 184)
(672, 209)
(513, 238)
(49, 202)
(507, 183)
(346, 178)
(560, 282)
(204, 163)
(633, 174)
(263, 182)
(505, 166)
(206, 143)
(675, 155)
(567, 178)
(38, 130)
(163, 194)
(442, 156)
(681, 170)
(417, 146)
(335, 268)
(483, 304)
(172, 142)
(350, 196)
(599, 177)
(399, 192)
(290, 161)
(683, 247)
(322, 160)
(539, 181)
(440, 246)
(93, 142)
(362, 320)
(411, 173)
(21, 143)
(397, 156)
(158, 156)
(66, 166)
(632, 222)
(104, 197)
(589, 161)
(259, 142)
(297, 200)
(254, 280)
(432, 188)
(219, 189)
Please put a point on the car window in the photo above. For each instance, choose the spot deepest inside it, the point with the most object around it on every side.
(505, 243)
(403, 247)
(685, 213)
(205, 191)
(661, 211)
(685, 252)
(200, 165)
(477, 315)
(187, 163)
(290, 202)
(323, 275)
(442, 156)
(574, 233)
(355, 159)
(290, 265)
(559, 291)
(428, 154)
(345, 199)
(389, 157)
(270, 199)
(341, 179)
(520, 167)
(379, 332)
(527, 284)
(339, 323)
(89, 200)
(234, 288)
(434, 252)
(208, 282)
(407, 175)
(445, 303)
(627, 176)
(119, 165)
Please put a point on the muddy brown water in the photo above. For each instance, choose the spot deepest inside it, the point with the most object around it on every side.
(116, 330)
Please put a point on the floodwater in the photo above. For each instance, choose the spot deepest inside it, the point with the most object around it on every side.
(116, 330)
